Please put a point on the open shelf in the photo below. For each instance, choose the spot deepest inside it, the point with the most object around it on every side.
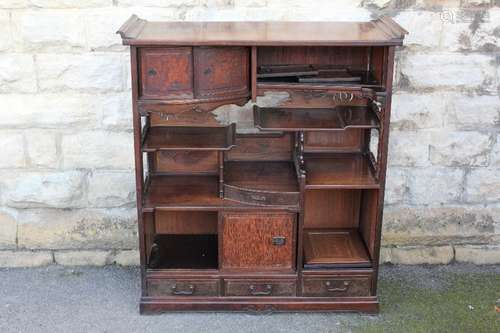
(183, 192)
(189, 138)
(184, 252)
(331, 248)
(312, 119)
(328, 75)
(261, 183)
(339, 171)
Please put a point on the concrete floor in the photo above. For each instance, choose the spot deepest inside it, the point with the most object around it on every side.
(456, 298)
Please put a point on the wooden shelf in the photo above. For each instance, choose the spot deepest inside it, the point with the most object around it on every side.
(330, 248)
(184, 252)
(189, 138)
(339, 171)
(261, 183)
(304, 119)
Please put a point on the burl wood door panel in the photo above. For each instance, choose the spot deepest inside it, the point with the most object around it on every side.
(221, 71)
(258, 241)
(166, 73)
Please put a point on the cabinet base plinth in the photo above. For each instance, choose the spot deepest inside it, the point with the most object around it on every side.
(368, 305)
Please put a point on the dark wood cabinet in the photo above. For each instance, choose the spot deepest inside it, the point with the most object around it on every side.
(287, 217)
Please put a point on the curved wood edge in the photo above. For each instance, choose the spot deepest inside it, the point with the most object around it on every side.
(132, 27)
(390, 27)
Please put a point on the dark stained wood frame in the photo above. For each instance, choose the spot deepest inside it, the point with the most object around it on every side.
(268, 289)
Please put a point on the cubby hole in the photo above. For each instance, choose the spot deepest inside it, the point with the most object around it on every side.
(339, 228)
(182, 240)
(320, 65)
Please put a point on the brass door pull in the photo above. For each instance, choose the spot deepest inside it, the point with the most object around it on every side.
(266, 292)
(329, 287)
(189, 291)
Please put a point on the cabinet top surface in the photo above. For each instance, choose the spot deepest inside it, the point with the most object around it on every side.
(383, 31)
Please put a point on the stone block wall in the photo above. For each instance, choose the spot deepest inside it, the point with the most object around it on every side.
(66, 160)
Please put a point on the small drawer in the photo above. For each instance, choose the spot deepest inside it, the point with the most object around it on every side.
(259, 197)
(336, 286)
(183, 287)
(260, 288)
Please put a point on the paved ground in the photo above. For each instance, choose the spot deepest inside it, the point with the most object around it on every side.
(453, 298)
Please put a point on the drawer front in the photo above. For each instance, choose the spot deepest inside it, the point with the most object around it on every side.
(336, 286)
(260, 288)
(221, 71)
(258, 241)
(183, 287)
(166, 73)
(262, 198)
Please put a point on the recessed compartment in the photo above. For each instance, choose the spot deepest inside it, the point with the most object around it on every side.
(187, 162)
(184, 240)
(339, 228)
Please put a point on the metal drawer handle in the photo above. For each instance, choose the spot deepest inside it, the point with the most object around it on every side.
(329, 287)
(187, 292)
(266, 292)
(152, 72)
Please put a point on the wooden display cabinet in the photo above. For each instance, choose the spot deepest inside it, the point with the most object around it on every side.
(284, 219)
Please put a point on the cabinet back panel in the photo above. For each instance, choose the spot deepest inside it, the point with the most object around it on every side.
(186, 161)
(252, 147)
(331, 209)
(352, 57)
(185, 222)
(351, 139)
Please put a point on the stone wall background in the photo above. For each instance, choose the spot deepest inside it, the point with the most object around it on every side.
(66, 170)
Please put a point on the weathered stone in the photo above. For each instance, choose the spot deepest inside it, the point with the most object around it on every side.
(25, 258)
(12, 152)
(417, 111)
(6, 40)
(459, 148)
(474, 71)
(71, 3)
(408, 148)
(17, 73)
(385, 255)
(396, 186)
(12, 4)
(435, 185)
(46, 30)
(111, 188)
(78, 229)
(414, 225)
(82, 258)
(62, 189)
(250, 3)
(435, 255)
(47, 111)
(478, 255)
(83, 72)
(98, 23)
(425, 27)
(8, 229)
(495, 154)
(483, 185)
(473, 112)
(162, 3)
(115, 111)
(98, 149)
(41, 148)
(126, 258)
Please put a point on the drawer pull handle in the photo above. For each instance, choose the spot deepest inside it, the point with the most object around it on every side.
(266, 292)
(329, 287)
(187, 292)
